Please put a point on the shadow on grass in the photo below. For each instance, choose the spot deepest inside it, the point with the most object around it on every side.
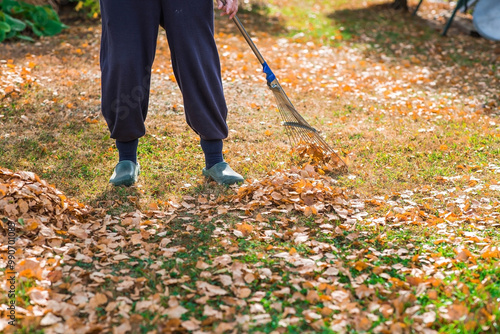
(254, 17)
(117, 200)
(400, 35)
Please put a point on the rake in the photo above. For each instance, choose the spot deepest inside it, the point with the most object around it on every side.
(296, 127)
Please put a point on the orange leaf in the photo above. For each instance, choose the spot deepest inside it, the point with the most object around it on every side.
(432, 294)
(244, 228)
(457, 312)
(360, 265)
(154, 206)
(443, 148)
(363, 324)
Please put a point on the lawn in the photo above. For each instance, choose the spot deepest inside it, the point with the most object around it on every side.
(407, 241)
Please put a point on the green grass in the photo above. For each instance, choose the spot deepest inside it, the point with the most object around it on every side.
(389, 154)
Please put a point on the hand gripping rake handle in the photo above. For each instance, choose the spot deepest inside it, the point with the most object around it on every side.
(270, 77)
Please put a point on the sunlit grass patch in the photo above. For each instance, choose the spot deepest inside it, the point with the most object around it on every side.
(407, 240)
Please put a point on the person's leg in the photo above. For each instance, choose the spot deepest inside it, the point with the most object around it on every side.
(127, 150)
(195, 60)
(213, 152)
(129, 34)
(196, 65)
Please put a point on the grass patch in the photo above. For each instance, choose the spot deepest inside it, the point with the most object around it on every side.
(403, 106)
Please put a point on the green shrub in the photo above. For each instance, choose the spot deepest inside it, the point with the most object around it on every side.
(17, 16)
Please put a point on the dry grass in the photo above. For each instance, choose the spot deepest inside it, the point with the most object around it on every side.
(414, 114)
(399, 112)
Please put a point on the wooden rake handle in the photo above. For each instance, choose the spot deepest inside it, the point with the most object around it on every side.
(270, 77)
(247, 37)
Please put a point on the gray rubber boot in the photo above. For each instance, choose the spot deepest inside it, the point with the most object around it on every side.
(223, 174)
(126, 173)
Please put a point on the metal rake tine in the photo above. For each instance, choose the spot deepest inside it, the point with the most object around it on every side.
(299, 126)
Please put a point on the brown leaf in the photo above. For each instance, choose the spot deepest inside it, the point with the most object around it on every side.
(55, 276)
(276, 196)
(285, 291)
(318, 325)
(136, 238)
(11, 210)
(202, 265)
(257, 308)
(226, 280)
(38, 296)
(23, 206)
(80, 298)
(414, 281)
(210, 289)
(331, 271)
(311, 315)
(362, 324)
(222, 260)
(123, 328)
(353, 236)
(224, 327)
(50, 319)
(191, 324)
(176, 311)
(98, 300)
(209, 311)
(143, 305)
(312, 296)
(3, 190)
(242, 292)
(120, 257)
(386, 310)
(32, 224)
(249, 278)
(78, 232)
(429, 317)
(172, 325)
(456, 312)
(397, 328)
(363, 291)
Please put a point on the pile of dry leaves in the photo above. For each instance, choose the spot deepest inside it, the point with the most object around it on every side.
(54, 232)
(67, 251)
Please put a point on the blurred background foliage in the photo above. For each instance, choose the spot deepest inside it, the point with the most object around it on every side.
(23, 20)
(31, 18)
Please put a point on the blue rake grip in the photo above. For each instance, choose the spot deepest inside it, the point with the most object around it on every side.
(270, 77)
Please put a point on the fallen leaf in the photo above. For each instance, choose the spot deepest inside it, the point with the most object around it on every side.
(176, 311)
(50, 319)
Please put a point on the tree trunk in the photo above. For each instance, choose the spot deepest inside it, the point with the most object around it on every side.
(400, 4)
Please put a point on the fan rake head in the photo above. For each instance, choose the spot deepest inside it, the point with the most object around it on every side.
(300, 132)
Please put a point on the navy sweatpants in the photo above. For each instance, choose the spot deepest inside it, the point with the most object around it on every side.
(128, 44)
